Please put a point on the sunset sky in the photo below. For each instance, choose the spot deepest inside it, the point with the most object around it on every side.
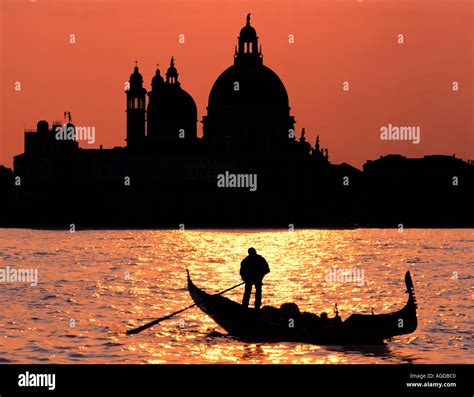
(407, 84)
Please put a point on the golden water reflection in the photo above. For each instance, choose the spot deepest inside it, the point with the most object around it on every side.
(108, 281)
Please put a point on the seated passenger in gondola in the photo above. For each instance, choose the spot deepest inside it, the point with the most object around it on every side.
(290, 309)
(311, 318)
(252, 270)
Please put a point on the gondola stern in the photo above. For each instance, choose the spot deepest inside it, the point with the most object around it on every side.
(410, 291)
(409, 312)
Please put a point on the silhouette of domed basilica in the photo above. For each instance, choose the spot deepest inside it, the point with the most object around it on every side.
(248, 108)
(167, 176)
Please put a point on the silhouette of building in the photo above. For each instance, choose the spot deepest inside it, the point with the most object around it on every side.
(47, 141)
(136, 95)
(171, 112)
(167, 175)
(248, 93)
(253, 97)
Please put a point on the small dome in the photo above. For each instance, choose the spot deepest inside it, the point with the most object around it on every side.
(42, 126)
(248, 33)
(136, 77)
(157, 80)
(170, 108)
(173, 104)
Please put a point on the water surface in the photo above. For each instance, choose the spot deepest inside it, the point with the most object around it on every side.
(95, 284)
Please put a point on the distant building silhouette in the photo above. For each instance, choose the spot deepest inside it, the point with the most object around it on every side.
(43, 139)
(167, 176)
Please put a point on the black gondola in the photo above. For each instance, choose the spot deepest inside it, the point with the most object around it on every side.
(271, 324)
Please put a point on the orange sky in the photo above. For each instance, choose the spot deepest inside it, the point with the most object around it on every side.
(335, 41)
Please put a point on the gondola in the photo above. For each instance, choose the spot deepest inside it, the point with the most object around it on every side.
(288, 324)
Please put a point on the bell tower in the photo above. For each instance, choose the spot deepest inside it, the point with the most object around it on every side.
(136, 94)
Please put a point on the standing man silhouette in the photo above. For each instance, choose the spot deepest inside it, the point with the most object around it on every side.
(252, 270)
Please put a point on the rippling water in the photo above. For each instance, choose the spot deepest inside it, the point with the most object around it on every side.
(95, 284)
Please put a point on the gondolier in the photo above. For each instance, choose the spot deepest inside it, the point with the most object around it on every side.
(252, 270)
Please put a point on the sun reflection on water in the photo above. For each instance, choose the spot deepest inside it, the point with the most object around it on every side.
(111, 280)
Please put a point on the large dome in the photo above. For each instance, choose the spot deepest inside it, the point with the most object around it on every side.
(241, 85)
(248, 104)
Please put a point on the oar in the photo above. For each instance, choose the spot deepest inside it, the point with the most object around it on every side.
(158, 320)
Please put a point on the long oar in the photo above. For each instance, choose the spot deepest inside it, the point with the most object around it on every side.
(158, 320)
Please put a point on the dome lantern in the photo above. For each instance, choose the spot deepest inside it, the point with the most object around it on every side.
(172, 74)
(136, 79)
(247, 50)
(157, 80)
